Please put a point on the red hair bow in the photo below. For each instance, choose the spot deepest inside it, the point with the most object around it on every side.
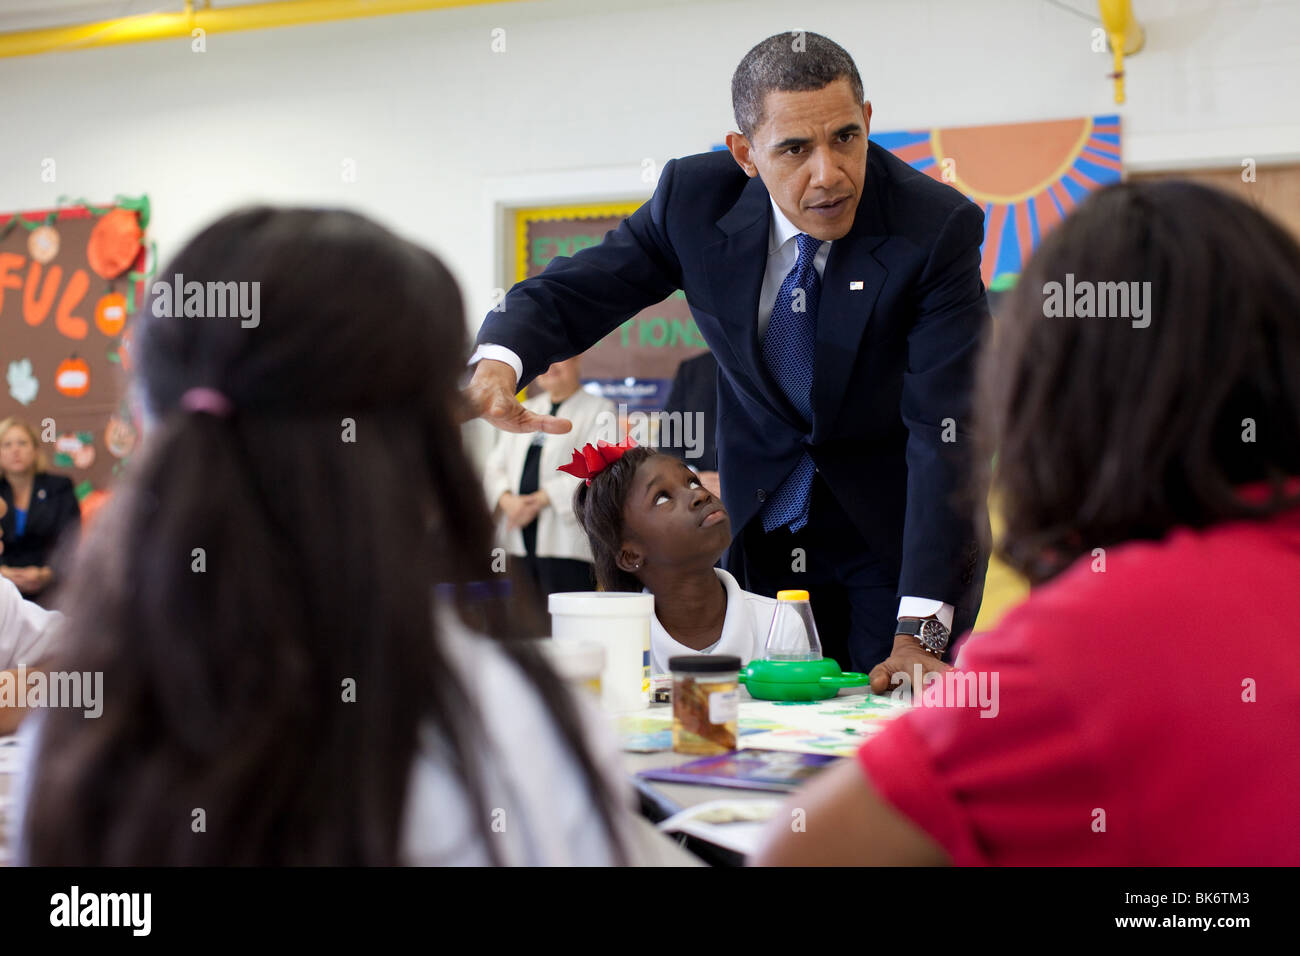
(593, 459)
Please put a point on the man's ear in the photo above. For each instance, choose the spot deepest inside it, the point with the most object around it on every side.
(866, 116)
(740, 152)
(629, 558)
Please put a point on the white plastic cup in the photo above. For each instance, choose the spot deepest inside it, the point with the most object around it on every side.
(619, 621)
(579, 663)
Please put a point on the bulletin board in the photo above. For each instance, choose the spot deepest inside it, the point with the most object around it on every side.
(633, 365)
(70, 278)
(1025, 176)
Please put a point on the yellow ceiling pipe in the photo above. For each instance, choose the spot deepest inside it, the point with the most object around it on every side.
(1125, 34)
(166, 26)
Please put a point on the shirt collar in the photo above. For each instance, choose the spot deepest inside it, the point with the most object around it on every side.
(736, 637)
(781, 230)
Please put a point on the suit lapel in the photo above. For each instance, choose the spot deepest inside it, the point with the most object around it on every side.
(851, 284)
(735, 266)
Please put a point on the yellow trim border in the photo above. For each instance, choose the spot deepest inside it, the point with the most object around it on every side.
(522, 217)
(256, 16)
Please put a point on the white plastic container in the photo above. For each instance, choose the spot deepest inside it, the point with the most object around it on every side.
(620, 622)
(579, 663)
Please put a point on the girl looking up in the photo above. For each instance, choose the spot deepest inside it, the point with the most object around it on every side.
(654, 527)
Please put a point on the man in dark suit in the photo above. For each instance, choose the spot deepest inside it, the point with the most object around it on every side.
(840, 292)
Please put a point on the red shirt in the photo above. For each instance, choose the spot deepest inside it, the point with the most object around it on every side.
(1126, 732)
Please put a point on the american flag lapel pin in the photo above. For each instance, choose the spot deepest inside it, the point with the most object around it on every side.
(855, 285)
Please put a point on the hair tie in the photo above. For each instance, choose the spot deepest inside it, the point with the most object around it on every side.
(207, 400)
(593, 459)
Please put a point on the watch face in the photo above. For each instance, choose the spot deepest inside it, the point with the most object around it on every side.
(934, 635)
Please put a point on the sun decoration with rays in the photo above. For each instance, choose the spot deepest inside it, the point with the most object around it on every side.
(1025, 176)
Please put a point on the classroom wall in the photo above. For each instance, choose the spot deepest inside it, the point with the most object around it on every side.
(439, 129)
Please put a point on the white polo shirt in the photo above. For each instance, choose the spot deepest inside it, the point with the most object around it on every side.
(536, 795)
(744, 629)
(27, 630)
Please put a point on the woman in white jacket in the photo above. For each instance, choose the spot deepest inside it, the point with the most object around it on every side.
(532, 502)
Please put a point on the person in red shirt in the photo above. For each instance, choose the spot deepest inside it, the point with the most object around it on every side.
(1147, 691)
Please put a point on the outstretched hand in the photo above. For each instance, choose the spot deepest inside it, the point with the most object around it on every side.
(490, 395)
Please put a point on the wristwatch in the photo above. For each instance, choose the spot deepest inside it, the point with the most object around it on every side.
(928, 630)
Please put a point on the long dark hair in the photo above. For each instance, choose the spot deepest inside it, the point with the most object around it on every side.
(252, 567)
(1111, 429)
(599, 509)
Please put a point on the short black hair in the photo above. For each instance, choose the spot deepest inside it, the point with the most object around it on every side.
(792, 62)
(1107, 431)
(599, 510)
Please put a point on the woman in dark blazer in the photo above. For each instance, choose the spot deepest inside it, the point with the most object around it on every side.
(41, 508)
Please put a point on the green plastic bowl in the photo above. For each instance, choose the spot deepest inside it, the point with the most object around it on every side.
(798, 680)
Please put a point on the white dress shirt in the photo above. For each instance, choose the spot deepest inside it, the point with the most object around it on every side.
(28, 632)
(782, 254)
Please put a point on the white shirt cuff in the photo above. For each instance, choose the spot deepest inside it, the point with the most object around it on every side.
(501, 354)
(925, 607)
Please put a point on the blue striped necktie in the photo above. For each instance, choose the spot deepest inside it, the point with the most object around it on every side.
(788, 350)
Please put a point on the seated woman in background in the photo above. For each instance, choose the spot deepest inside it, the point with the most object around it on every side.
(1147, 469)
(654, 527)
(534, 504)
(259, 595)
(41, 508)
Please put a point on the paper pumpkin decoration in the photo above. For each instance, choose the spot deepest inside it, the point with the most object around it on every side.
(119, 437)
(110, 313)
(114, 243)
(91, 504)
(72, 377)
(43, 244)
(74, 450)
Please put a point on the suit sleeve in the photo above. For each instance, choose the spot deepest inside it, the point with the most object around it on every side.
(939, 540)
(580, 299)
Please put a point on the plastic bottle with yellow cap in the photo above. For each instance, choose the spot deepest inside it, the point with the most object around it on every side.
(792, 635)
(792, 667)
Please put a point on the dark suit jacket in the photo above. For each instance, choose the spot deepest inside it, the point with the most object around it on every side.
(52, 511)
(695, 391)
(894, 358)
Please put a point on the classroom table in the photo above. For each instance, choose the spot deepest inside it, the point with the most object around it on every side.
(689, 794)
(9, 756)
(669, 796)
(660, 799)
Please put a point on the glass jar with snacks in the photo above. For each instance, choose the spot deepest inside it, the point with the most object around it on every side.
(706, 696)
